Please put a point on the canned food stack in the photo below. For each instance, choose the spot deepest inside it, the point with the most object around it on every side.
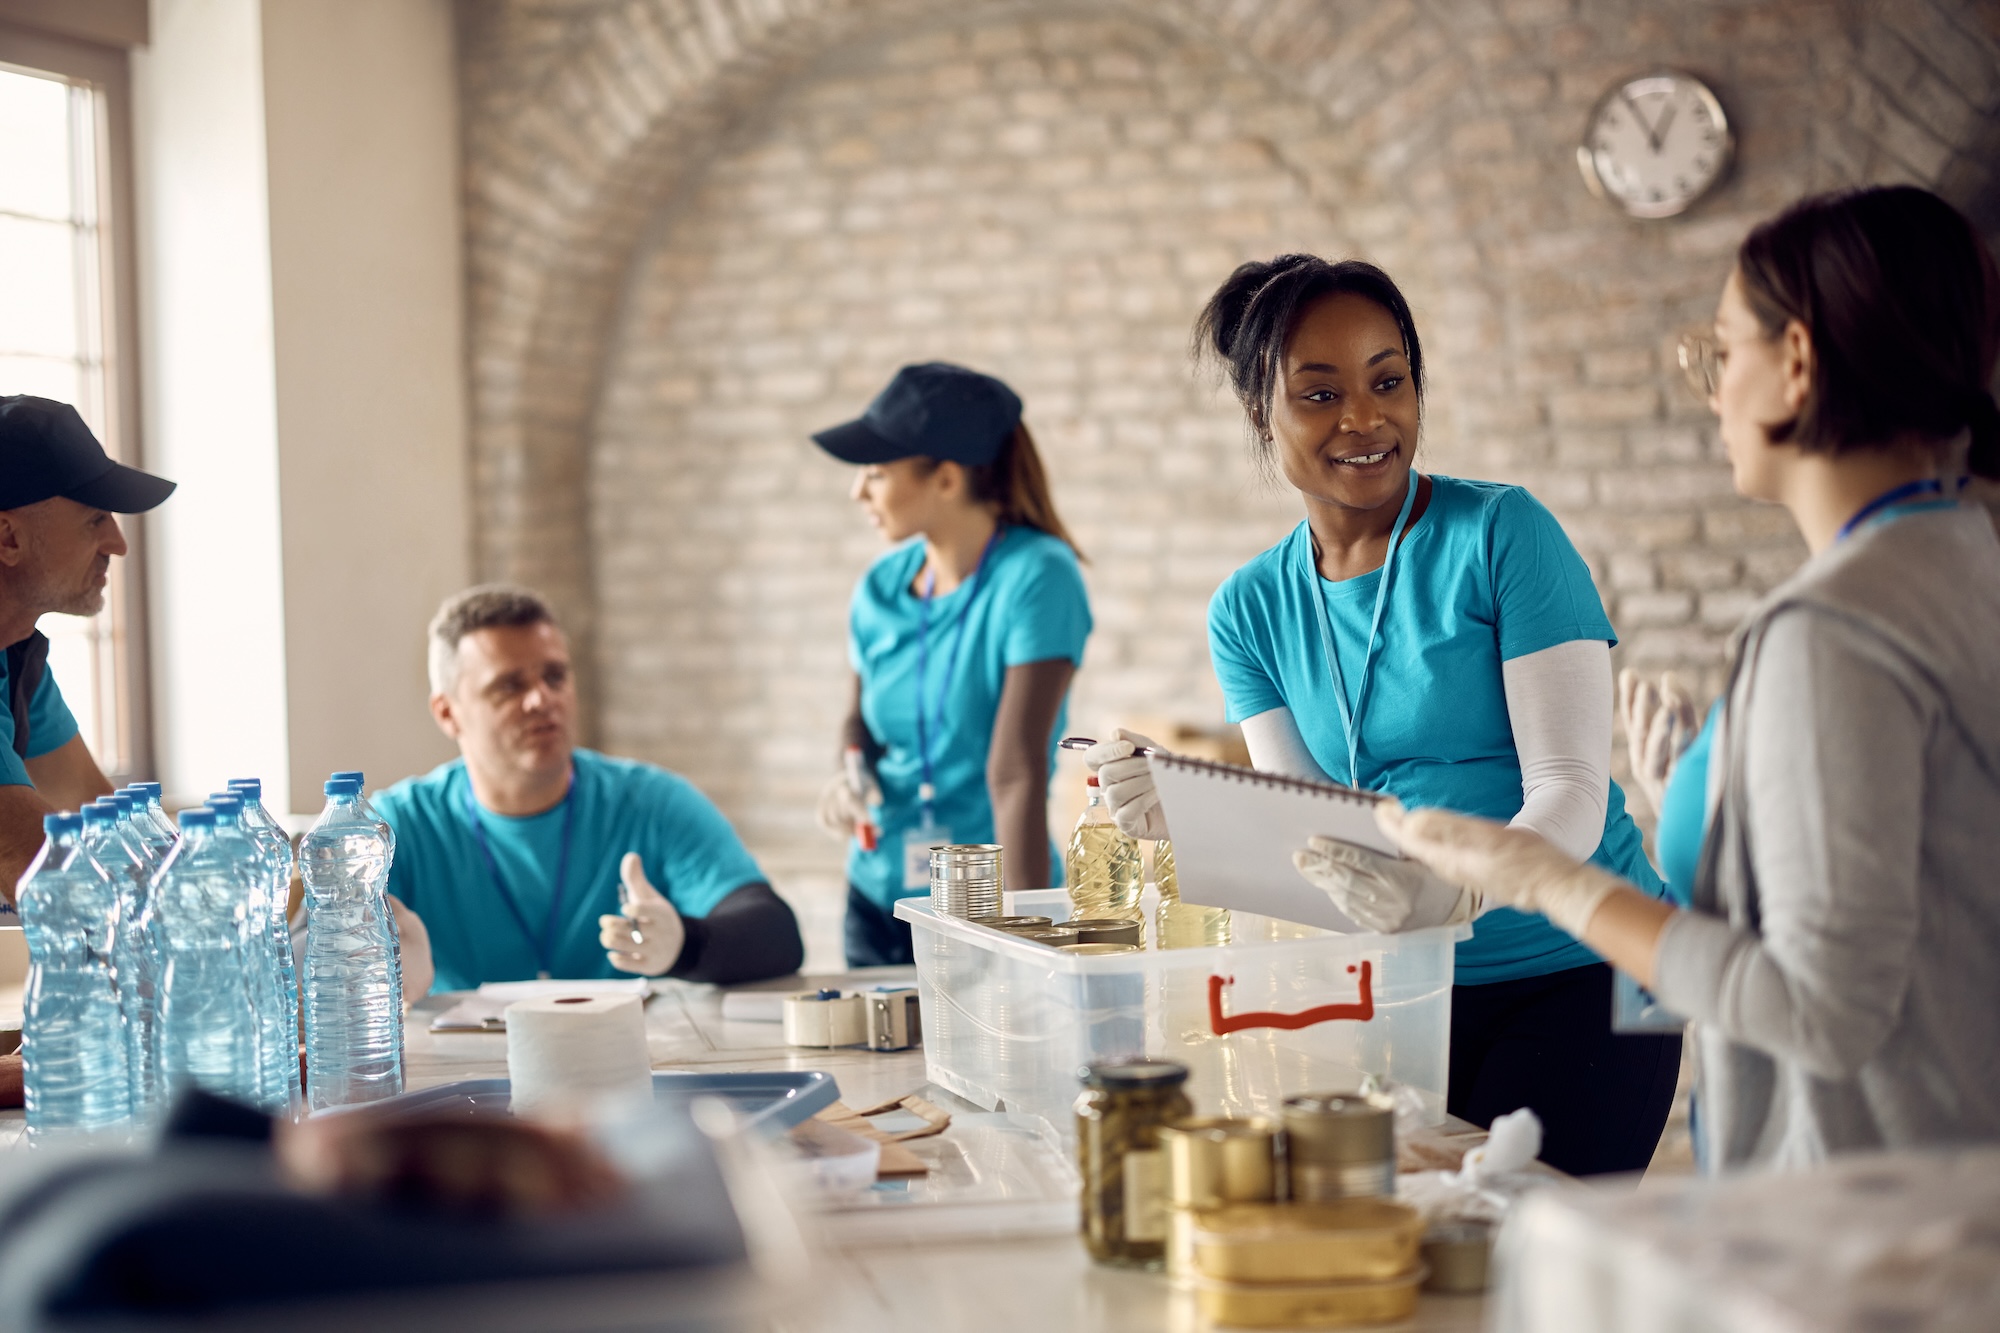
(1263, 1224)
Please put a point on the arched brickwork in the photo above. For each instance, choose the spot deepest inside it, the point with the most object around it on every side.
(1446, 155)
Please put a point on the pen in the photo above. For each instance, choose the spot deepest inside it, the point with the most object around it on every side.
(1085, 742)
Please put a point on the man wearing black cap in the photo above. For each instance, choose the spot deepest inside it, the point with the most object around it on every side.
(59, 500)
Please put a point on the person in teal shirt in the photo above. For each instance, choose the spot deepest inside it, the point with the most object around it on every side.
(1440, 640)
(963, 639)
(529, 856)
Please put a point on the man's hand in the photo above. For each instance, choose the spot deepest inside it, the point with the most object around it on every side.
(648, 938)
(413, 942)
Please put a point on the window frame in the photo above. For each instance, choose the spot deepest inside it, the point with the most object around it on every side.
(107, 71)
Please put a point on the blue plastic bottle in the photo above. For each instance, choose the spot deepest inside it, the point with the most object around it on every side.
(208, 1020)
(361, 799)
(350, 991)
(149, 818)
(277, 845)
(75, 1058)
(110, 840)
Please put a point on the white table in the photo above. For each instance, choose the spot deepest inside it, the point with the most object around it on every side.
(1042, 1284)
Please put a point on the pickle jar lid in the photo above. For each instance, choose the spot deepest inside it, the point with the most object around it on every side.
(1131, 1075)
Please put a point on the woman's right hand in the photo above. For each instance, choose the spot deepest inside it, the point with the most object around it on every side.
(1126, 780)
(1660, 722)
(843, 809)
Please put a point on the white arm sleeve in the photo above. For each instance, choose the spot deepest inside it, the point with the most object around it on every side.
(1559, 702)
(1277, 747)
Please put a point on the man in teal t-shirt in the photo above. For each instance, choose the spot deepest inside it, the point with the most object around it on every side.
(527, 856)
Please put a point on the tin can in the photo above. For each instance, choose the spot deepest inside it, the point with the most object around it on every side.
(1014, 924)
(1097, 950)
(1108, 930)
(1307, 1304)
(1339, 1146)
(1053, 936)
(1348, 1240)
(1212, 1161)
(1457, 1254)
(1118, 1120)
(966, 880)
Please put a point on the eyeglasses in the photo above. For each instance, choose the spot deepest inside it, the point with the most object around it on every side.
(1701, 362)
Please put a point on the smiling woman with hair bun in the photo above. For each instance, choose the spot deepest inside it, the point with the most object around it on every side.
(1439, 640)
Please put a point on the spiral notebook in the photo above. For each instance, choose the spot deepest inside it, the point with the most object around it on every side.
(1235, 829)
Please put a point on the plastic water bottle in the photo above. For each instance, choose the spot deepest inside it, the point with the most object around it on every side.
(351, 990)
(208, 1017)
(256, 874)
(110, 840)
(149, 818)
(277, 845)
(388, 833)
(75, 1058)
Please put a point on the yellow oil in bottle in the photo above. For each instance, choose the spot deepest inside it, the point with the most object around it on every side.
(1102, 865)
(1179, 925)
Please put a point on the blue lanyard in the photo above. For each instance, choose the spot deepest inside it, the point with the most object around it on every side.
(1896, 495)
(927, 793)
(542, 942)
(1350, 716)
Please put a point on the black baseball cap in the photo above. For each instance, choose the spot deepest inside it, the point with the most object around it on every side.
(933, 410)
(46, 451)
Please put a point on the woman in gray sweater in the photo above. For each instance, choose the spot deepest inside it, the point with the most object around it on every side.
(1841, 958)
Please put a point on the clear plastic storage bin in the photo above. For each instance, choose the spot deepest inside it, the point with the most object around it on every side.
(1283, 1009)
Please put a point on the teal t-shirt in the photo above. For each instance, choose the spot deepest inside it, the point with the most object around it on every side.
(1027, 605)
(1485, 576)
(1684, 813)
(690, 852)
(50, 725)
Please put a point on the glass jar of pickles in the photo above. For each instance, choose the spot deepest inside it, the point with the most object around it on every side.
(1118, 1120)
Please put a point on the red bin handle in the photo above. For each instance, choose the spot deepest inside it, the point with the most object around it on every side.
(1223, 1024)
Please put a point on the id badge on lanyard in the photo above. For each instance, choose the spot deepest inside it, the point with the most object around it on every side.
(917, 844)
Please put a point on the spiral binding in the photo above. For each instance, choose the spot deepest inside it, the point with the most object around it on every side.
(1332, 791)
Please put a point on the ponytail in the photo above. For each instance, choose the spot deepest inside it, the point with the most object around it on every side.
(1016, 483)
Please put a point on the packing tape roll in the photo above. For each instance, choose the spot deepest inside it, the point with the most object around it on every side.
(825, 1018)
(577, 1052)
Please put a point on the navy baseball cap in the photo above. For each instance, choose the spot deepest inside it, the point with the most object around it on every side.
(934, 410)
(46, 451)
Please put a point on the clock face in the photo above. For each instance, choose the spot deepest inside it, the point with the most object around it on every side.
(1655, 144)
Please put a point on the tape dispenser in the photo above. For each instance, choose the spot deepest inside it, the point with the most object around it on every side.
(881, 1020)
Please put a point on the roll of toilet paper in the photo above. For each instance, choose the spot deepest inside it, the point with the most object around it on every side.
(569, 1054)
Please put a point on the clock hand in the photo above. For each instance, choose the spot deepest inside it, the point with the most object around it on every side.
(1666, 119)
(1639, 116)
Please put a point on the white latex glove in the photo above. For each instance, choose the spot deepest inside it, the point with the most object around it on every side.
(843, 808)
(1506, 867)
(1126, 780)
(1380, 893)
(1660, 722)
(648, 938)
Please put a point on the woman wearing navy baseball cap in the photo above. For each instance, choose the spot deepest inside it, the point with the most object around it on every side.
(963, 639)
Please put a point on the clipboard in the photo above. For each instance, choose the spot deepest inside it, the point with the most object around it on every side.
(1234, 831)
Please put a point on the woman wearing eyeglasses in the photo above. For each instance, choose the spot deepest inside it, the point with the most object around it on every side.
(1841, 959)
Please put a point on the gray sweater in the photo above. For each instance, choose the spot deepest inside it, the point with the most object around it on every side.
(1842, 963)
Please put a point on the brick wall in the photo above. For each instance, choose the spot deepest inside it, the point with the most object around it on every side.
(696, 232)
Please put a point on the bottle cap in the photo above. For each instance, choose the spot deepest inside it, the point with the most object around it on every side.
(252, 788)
(99, 812)
(198, 817)
(150, 790)
(53, 823)
(1090, 781)
(120, 800)
(360, 778)
(226, 803)
(1132, 1074)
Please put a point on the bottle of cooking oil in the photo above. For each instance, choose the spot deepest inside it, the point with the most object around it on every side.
(1179, 925)
(1102, 865)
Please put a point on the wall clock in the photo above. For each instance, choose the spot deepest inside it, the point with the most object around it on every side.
(1655, 144)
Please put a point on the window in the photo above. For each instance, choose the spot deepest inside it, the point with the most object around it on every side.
(63, 333)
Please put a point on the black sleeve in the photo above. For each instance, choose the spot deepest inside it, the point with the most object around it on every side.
(749, 935)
